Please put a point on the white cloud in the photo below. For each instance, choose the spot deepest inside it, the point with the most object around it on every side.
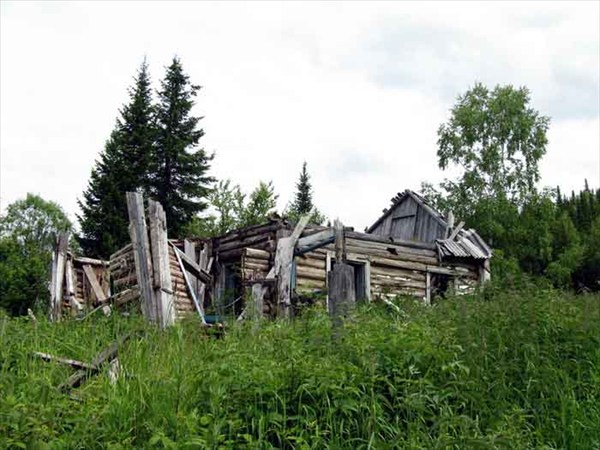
(358, 90)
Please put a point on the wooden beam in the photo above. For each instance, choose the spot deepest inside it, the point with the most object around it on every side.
(456, 231)
(141, 253)
(389, 240)
(70, 362)
(314, 241)
(284, 258)
(106, 355)
(91, 277)
(340, 242)
(190, 288)
(193, 267)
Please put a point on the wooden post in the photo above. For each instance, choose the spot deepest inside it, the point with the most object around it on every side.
(428, 288)
(484, 273)
(341, 293)
(141, 253)
(59, 258)
(161, 271)
(340, 282)
(283, 266)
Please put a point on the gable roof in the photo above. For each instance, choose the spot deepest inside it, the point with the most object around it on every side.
(399, 198)
(466, 244)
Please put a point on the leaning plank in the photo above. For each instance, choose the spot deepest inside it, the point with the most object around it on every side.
(106, 355)
(456, 231)
(101, 297)
(192, 266)
(189, 286)
(91, 276)
(314, 241)
(70, 362)
(141, 248)
(283, 265)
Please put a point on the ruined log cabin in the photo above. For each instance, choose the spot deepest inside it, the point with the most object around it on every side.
(412, 249)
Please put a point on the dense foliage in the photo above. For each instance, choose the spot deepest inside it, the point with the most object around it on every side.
(27, 234)
(179, 176)
(152, 149)
(232, 209)
(517, 370)
(123, 166)
(496, 140)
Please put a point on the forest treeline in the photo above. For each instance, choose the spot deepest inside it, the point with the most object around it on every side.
(494, 137)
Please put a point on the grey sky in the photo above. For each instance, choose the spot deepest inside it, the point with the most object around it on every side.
(356, 89)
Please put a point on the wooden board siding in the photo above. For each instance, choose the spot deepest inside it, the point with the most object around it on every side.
(410, 221)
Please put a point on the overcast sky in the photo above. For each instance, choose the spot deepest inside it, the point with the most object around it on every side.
(358, 90)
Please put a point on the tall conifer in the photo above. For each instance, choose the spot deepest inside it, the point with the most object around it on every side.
(123, 166)
(180, 181)
(303, 203)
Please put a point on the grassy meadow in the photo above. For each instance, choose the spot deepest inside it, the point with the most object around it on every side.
(504, 370)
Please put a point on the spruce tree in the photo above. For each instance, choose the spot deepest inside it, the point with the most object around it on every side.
(123, 166)
(180, 181)
(302, 203)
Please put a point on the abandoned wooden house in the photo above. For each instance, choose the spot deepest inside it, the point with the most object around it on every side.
(412, 249)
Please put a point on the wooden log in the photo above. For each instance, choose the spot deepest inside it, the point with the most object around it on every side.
(388, 262)
(127, 249)
(309, 272)
(314, 241)
(130, 280)
(384, 253)
(310, 262)
(90, 261)
(256, 253)
(245, 233)
(126, 296)
(250, 242)
(375, 238)
(102, 358)
(70, 362)
(395, 282)
(399, 273)
(141, 248)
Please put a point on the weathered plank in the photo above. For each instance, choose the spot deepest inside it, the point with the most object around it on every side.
(191, 265)
(314, 241)
(70, 362)
(102, 358)
(161, 272)
(455, 232)
(189, 286)
(283, 265)
(385, 240)
(58, 273)
(96, 289)
(141, 248)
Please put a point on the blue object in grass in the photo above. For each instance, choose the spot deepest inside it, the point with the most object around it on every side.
(212, 318)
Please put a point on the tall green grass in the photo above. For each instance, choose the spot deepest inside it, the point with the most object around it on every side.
(521, 370)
